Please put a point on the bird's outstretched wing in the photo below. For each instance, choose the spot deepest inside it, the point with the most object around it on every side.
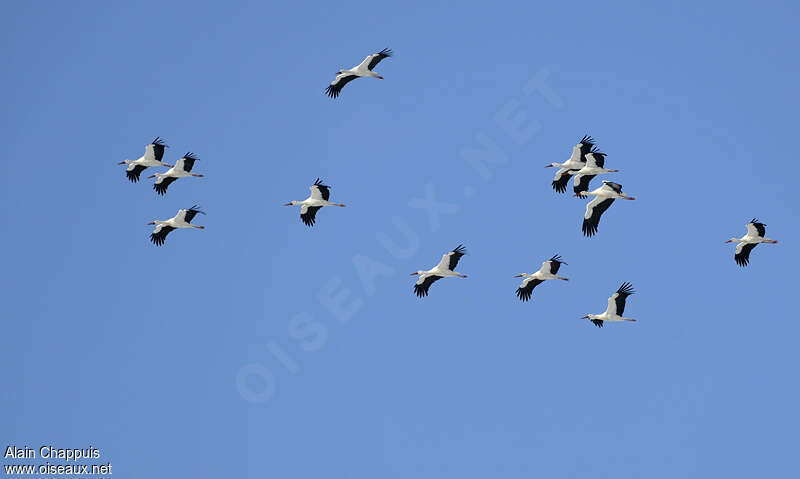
(134, 171)
(190, 213)
(338, 83)
(561, 179)
(155, 150)
(450, 260)
(162, 183)
(159, 235)
(756, 228)
(742, 254)
(186, 162)
(581, 184)
(554, 263)
(616, 303)
(594, 210)
(424, 283)
(375, 58)
(525, 289)
(320, 191)
(308, 214)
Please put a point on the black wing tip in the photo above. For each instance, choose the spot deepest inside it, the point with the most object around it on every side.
(588, 141)
(742, 259)
(460, 249)
(589, 229)
(598, 322)
(196, 209)
(157, 240)
(626, 288)
(190, 156)
(160, 189)
(158, 141)
(756, 222)
(556, 258)
(134, 178)
(332, 91)
(387, 52)
(319, 182)
(420, 291)
(594, 151)
(523, 295)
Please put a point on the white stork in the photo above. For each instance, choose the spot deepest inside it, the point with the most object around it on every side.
(595, 162)
(547, 271)
(183, 168)
(615, 309)
(604, 196)
(363, 69)
(575, 162)
(319, 198)
(755, 235)
(445, 269)
(152, 157)
(181, 220)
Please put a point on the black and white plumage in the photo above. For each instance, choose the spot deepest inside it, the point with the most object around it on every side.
(363, 69)
(575, 162)
(153, 153)
(604, 197)
(595, 162)
(445, 269)
(183, 219)
(320, 193)
(183, 168)
(615, 309)
(547, 271)
(755, 235)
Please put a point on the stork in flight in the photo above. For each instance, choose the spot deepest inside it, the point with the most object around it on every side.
(445, 269)
(183, 168)
(595, 162)
(755, 235)
(152, 157)
(604, 196)
(547, 271)
(181, 220)
(363, 69)
(615, 309)
(575, 162)
(319, 198)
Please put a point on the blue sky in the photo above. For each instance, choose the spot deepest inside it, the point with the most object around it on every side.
(260, 347)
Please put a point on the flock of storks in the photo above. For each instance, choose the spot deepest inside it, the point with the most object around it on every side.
(583, 165)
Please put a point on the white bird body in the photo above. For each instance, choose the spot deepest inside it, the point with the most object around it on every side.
(595, 162)
(546, 272)
(153, 153)
(753, 237)
(318, 198)
(445, 269)
(182, 169)
(615, 309)
(363, 69)
(604, 197)
(181, 220)
(575, 162)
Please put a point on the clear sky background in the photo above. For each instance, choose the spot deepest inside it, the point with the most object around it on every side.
(263, 348)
